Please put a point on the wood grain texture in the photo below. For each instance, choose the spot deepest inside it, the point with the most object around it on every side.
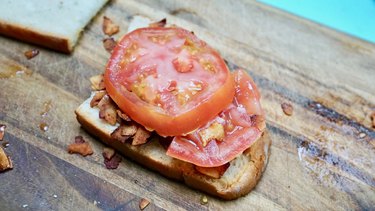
(319, 160)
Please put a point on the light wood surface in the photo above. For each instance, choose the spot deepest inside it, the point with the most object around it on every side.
(319, 157)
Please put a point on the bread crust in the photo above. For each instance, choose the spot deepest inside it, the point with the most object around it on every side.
(239, 179)
(32, 36)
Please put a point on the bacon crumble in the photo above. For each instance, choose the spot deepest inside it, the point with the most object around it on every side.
(287, 108)
(97, 82)
(109, 28)
(80, 146)
(109, 44)
(31, 53)
(143, 203)
(5, 161)
(113, 162)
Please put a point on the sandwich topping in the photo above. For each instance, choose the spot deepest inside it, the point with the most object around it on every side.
(168, 80)
(228, 134)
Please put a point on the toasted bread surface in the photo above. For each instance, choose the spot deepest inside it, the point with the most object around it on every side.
(53, 24)
(239, 179)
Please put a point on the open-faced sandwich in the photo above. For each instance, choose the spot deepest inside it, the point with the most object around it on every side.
(168, 101)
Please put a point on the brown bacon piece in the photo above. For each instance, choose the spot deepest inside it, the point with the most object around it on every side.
(107, 110)
(109, 28)
(140, 136)
(5, 161)
(97, 97)
(112, 163)
(287, 108)
(80, 146)
(124, 132)
(31, 53)
(109, 44)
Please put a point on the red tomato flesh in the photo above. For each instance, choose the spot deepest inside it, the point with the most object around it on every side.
(239, 128)
(168, 80)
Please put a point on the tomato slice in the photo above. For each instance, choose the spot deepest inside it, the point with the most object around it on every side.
(229, 133)
(168, 80)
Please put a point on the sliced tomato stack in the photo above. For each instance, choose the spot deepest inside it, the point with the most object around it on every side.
(168, 80)
(228, 134)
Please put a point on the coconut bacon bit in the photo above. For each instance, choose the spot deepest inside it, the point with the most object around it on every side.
(109, 28)
(80, 146)
(287, 108)
(109, 44)
(31, 53)
(140, 136)
(5, 161)
(108, 153)
(97, 97)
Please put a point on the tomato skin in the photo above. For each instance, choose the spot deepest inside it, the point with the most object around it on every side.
(241, 121)
(155, 118)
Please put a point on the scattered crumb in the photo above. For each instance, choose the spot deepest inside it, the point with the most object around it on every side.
(109, 28)
(43, 126)
(362, 135)
(287, 108)
(112, 163)
(54, 196)
(109, 44)
(5, 161)
(80, 146)
(2, 131)
(143, 203)
(373, 119)
(25, 205)
(204, 199)
(31, 53)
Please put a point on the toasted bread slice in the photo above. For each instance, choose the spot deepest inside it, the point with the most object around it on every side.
(239, 179)
(52, 24)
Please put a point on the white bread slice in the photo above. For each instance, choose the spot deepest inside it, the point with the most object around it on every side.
(239, 179)
(49, 23)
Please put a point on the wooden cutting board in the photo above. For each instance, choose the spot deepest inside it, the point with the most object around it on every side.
(322, 157)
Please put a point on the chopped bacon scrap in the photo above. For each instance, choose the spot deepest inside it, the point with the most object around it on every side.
(109, 28)
(97, 82)
(160, 23)
(214, 172)
(214, 132)
(109, 44)
(287, 108)
(113, 162)
(108, 153)
(5, 161)
(107, 110)
(97, 97)
(124, 132)
(123, 116)
(143, 203)
(31, 53)
(80, 146)
(140, 136)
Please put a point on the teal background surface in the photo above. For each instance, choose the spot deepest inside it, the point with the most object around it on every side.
(354, 17)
